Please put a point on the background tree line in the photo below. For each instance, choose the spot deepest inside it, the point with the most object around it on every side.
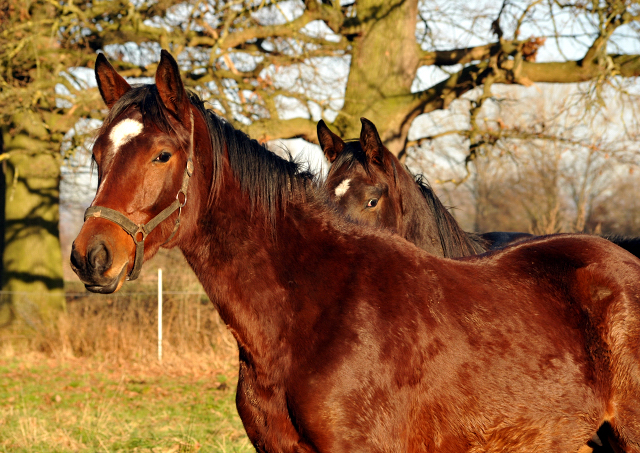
(435, 76)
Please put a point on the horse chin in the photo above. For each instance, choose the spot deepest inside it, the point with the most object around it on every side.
(111, 287)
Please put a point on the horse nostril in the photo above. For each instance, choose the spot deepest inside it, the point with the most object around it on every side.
(99, 257)
(76, 259)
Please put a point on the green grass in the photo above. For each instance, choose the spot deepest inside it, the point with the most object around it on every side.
(75, 406)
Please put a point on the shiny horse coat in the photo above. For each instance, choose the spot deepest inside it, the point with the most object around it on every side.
(351, 338)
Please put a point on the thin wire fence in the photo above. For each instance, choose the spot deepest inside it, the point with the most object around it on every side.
(123, 325)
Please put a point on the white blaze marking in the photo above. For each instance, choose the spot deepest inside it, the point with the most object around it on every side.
(124, 131)
(342, 188)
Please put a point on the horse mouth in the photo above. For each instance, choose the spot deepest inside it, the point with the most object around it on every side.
(111, 287)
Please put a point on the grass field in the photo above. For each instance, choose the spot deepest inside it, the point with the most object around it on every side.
(75, 405)
(94, 384)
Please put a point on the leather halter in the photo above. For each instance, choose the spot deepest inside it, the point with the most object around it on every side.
(144, 229)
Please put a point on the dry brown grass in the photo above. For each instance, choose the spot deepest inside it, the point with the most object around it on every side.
(123, 327)
(94, 383)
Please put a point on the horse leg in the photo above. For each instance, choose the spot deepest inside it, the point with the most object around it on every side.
(626, 426)
(625, 333)
(605, 440)
(265, 417)
(625, 421)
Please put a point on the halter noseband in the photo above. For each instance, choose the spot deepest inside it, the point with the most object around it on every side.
(145, 229)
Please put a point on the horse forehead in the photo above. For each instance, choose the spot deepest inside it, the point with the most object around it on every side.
(124, 131)
(342, 188)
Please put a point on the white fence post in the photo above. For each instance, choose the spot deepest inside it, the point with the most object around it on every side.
(159, 315)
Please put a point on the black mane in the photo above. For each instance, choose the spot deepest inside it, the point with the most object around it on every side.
(268, 179)
(455, 241)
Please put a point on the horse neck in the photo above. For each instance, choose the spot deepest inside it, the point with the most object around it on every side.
(419, 226)
(437, 223)
(256, 273)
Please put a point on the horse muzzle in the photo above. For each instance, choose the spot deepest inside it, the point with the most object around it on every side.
(99, 263)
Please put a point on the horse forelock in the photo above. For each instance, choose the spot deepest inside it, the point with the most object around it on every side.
(353, 154)
(146, 99)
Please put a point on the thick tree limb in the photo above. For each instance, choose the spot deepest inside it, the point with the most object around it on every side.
(441, 94)
(467, 55)
(574, 71)
(265, 130)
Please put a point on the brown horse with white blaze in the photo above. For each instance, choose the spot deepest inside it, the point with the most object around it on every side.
(370, 185)
(351, 338)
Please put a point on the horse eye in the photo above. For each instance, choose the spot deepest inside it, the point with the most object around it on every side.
(163, 157)
(372, 203)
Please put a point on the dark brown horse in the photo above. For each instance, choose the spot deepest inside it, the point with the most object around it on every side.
(370, 185)
(351, 338)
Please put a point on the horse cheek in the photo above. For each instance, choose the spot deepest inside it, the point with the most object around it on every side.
(156, 191)
(387, 218)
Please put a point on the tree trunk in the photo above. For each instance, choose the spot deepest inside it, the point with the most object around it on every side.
(32, 263)
(385, 59)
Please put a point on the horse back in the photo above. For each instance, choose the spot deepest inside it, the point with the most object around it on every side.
(593, 280)
(599, 284)
(608, 286)
(468, 346)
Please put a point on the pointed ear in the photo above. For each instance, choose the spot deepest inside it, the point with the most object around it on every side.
(170, 86)
(331, 144)
(370, 142)
(111, 84)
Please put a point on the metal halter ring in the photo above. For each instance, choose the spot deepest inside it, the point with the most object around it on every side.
(182, 204)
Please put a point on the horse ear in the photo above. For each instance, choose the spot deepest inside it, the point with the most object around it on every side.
(112, 85)
(331, 144)
(170, 86)
(370, 142)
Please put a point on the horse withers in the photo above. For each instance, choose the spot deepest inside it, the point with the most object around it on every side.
(350, 338)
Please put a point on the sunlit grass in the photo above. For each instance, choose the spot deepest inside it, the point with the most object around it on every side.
(49, 405)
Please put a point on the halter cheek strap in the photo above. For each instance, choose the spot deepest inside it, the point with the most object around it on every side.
(139, 232)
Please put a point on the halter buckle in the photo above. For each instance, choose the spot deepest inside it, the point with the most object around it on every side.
(142, 231)
(182, 203)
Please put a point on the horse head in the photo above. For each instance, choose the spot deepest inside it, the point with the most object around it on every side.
(363, 176)
(143, 153)
(369, 184)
